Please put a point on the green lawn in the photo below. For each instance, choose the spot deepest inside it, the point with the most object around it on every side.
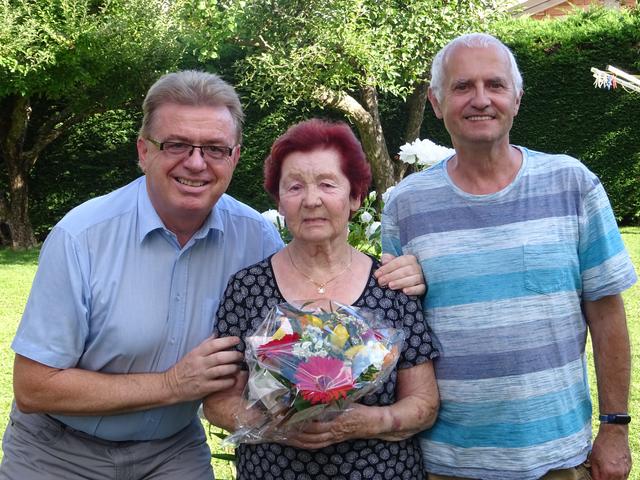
(16, 274)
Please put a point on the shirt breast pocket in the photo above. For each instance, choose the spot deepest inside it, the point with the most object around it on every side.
(549, 268)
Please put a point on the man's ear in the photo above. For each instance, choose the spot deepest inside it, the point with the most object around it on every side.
(143, 152)
(435, 104)
(235, 158)
(516, 107)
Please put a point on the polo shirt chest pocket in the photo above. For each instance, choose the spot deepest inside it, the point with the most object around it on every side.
(550, 268)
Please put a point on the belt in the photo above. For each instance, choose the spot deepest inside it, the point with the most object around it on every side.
(86, 436)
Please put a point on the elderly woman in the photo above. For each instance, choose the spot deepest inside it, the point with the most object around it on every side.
(318, 175)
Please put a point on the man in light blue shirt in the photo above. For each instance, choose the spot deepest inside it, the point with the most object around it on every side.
(114, 351)
(115, 342)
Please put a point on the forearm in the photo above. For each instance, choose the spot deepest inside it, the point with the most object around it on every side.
(223, 410)
(208, 368)
(81, 392)
(416, 407)
(610, 454)
(227, 407)
(611, 350)
(406, 417)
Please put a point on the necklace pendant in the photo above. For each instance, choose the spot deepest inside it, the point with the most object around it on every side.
(321, 289)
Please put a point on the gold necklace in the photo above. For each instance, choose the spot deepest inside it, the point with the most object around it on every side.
(321, 286)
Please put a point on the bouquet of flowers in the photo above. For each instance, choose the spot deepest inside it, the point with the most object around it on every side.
(311, 362)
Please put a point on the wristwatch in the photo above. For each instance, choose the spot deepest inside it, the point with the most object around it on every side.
(618, 418)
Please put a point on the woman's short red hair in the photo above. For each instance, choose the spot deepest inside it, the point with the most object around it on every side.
(317, 134)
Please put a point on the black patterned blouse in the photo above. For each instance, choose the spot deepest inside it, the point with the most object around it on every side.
(249, 296)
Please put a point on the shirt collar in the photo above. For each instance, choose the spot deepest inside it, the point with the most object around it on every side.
(149, 220)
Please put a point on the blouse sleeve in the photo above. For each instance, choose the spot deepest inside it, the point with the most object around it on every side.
(231, 311)
(418, 344)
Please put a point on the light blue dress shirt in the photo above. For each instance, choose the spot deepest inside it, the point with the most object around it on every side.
(115, 293)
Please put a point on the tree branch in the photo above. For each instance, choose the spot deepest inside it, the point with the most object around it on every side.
(344, 103)
(49, 131)
(367, 121)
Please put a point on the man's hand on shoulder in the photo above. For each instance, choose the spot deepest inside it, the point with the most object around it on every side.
(402, 272)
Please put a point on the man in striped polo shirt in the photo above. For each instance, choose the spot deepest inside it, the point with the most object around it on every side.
(522, 257)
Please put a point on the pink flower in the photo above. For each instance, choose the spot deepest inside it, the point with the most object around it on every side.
(323, 380)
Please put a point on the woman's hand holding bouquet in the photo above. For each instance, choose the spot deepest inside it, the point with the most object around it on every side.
(312, 363)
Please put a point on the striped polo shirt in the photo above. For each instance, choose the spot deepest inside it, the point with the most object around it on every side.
(506, 275)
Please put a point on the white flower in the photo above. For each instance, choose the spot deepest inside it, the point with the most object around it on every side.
(373, 195)
(423, 152)
(264, 386)
(302, 349)
(366, 217)
(274, 217)
(385, 195)
(371, 229)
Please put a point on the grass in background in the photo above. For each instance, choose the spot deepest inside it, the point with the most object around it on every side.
(16, 274)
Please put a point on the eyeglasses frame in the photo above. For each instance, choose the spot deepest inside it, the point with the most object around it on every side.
(160, 146)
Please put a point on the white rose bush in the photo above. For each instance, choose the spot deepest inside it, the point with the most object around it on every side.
(278, 221)
(423, 153)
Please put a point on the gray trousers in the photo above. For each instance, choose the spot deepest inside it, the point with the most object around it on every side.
(37, 447)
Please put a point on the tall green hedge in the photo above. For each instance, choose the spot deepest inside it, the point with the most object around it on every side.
(97, 156)
(561, 112)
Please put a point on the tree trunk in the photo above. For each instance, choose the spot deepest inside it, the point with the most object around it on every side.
(5, 239)
(15, 113)
(375, 144)
(416, 104)
(18, 218)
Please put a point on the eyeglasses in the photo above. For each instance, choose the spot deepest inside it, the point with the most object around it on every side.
(180, 149)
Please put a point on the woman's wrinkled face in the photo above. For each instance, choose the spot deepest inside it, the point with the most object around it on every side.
(314, 196)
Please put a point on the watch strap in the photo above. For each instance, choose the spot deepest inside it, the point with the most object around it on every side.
(616, 418)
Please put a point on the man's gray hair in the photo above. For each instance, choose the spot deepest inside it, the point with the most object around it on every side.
(192, 88)
(469, 40)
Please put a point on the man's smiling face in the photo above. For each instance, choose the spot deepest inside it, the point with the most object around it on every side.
(479, 99)
(184, 189)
